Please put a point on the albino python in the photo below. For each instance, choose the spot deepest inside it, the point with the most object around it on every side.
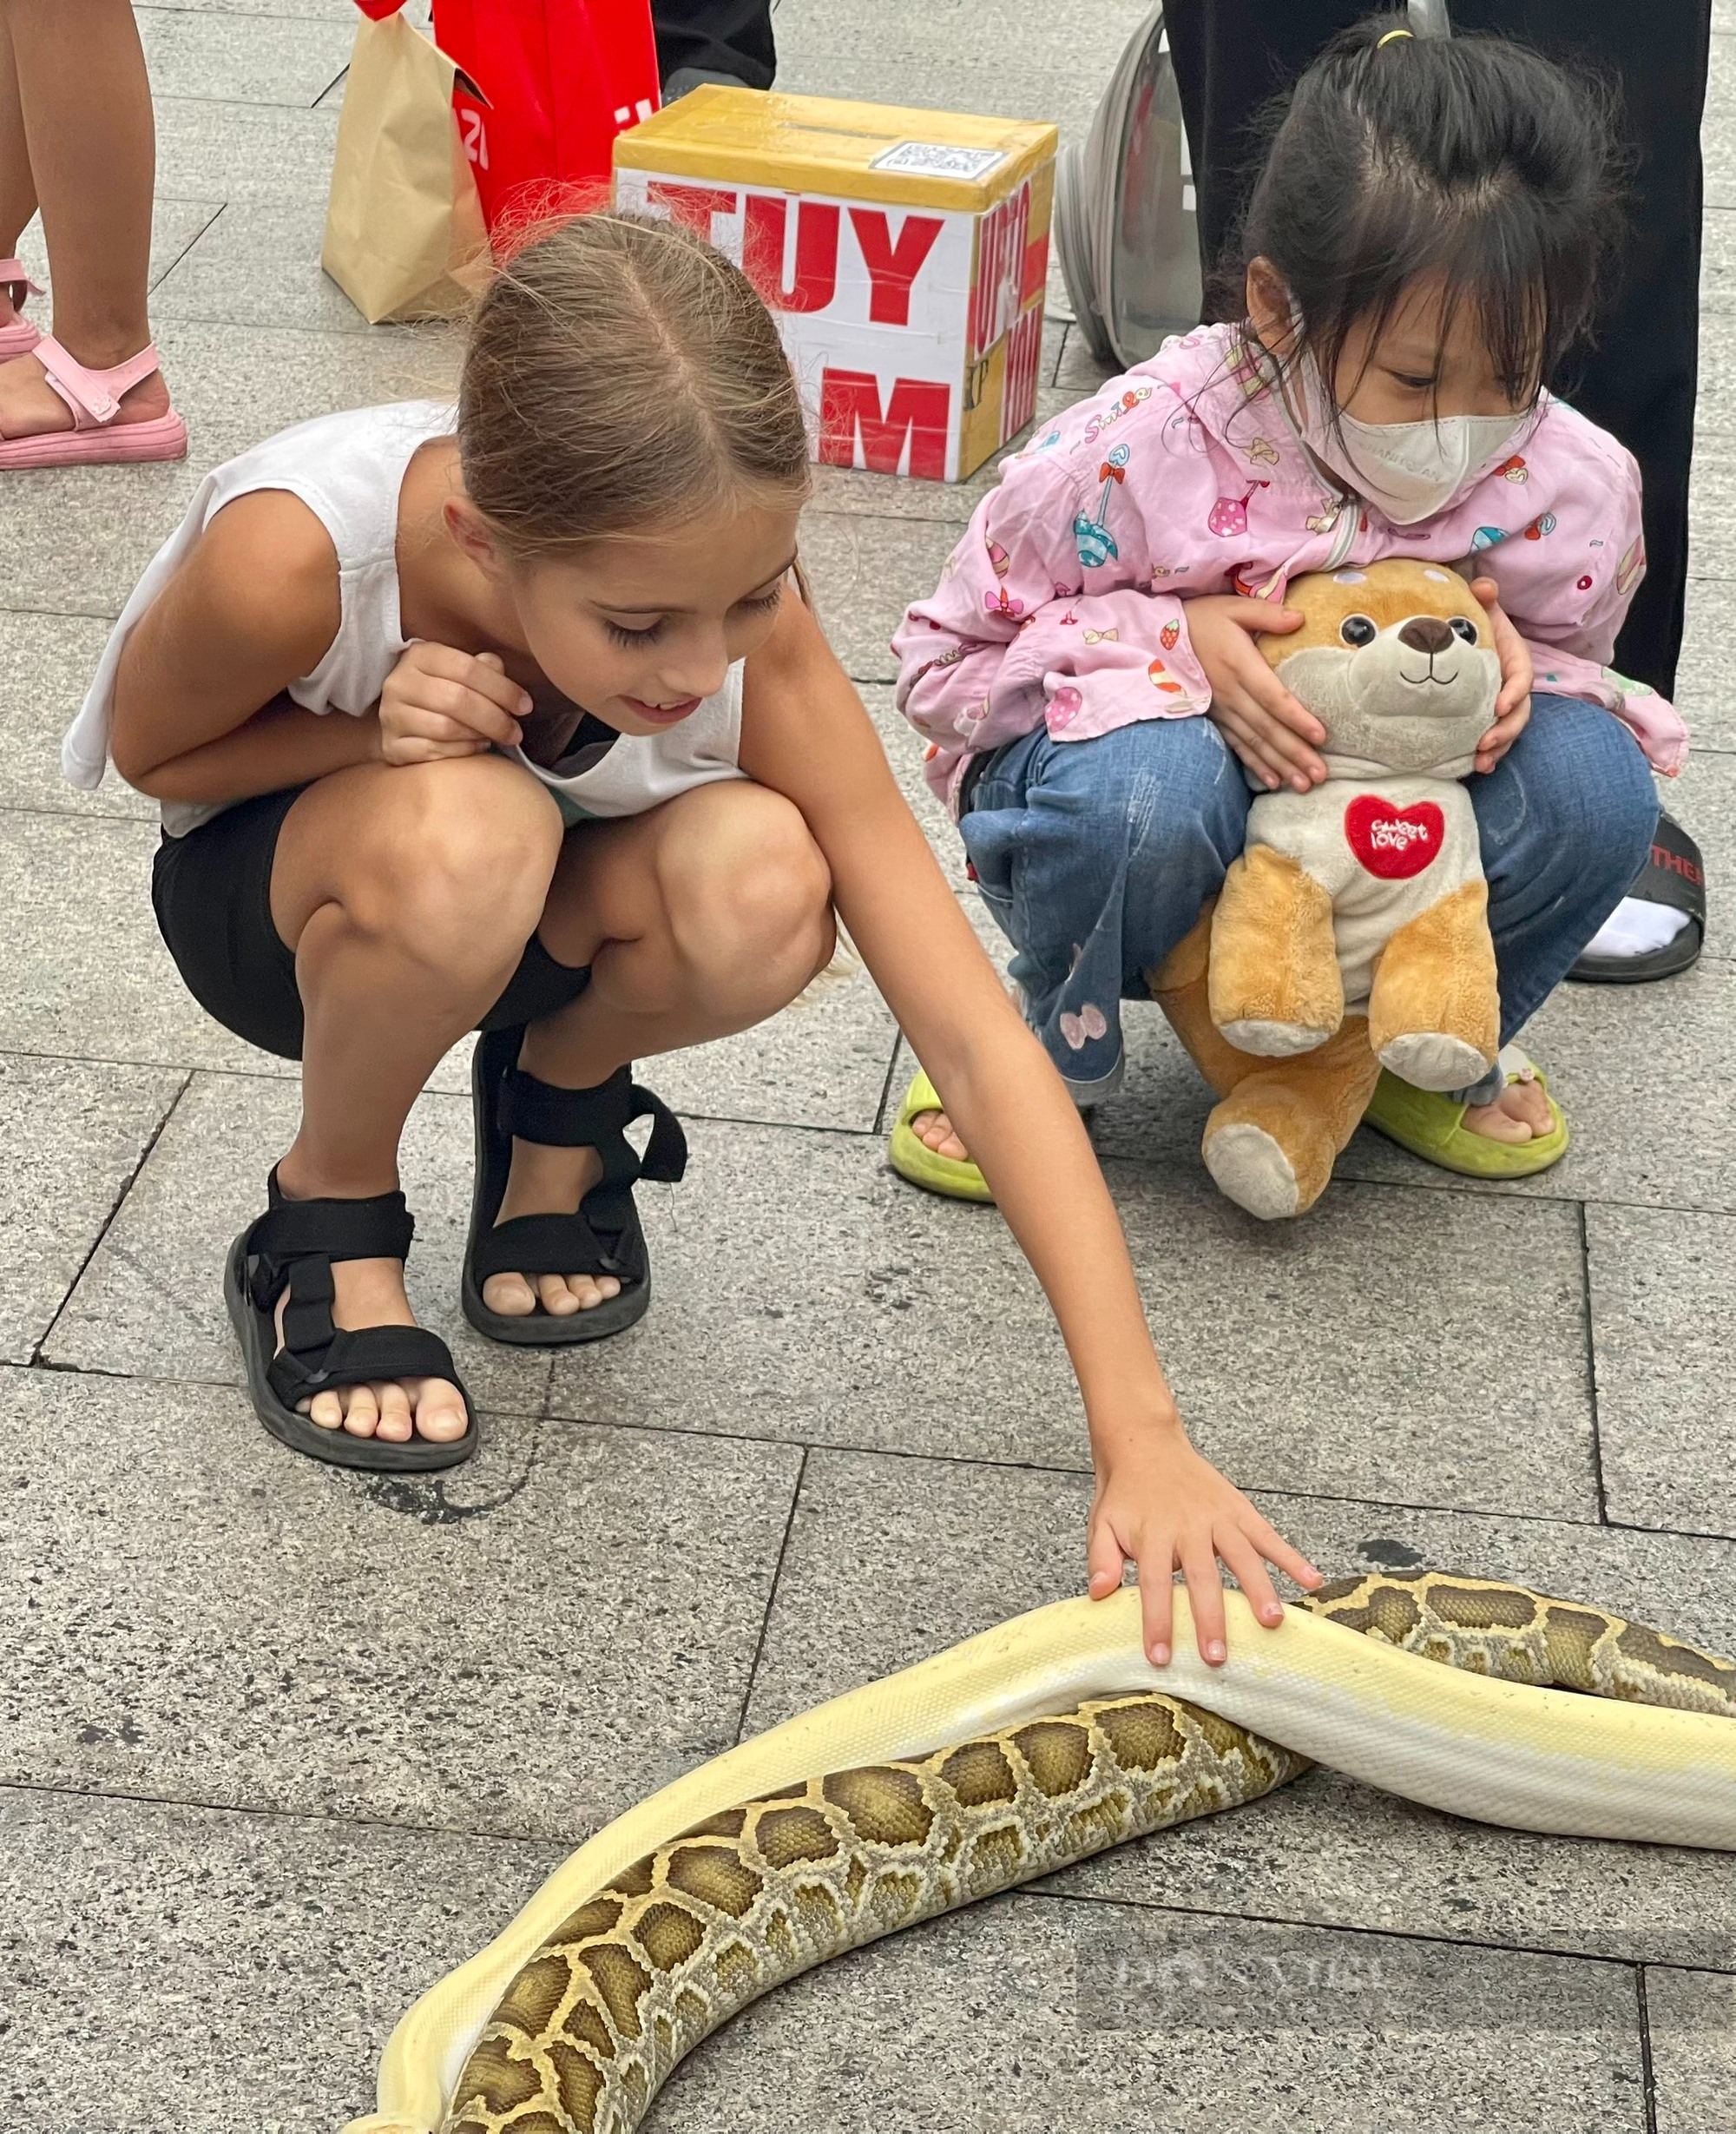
(1017, 1753)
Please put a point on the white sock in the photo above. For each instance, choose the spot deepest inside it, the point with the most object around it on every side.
(1636, 928)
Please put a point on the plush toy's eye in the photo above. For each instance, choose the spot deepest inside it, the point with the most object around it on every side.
(1464, 628)
(1357, 629)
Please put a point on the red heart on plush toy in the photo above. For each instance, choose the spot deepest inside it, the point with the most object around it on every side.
(1394, 843)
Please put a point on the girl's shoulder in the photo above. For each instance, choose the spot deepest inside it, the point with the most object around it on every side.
(347, 469)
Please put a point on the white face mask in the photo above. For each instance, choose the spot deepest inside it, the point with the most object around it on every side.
(1408, 470)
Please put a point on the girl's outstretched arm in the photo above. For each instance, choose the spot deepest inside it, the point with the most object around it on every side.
(1158, 1504)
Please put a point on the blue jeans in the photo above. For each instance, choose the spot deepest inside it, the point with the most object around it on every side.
(1094, 856)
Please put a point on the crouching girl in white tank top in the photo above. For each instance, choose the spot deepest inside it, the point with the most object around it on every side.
(600, 786)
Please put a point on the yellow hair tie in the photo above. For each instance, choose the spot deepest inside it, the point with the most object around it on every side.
(1391, 34)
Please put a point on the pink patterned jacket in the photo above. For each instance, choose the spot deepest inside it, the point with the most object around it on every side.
(1067, 600)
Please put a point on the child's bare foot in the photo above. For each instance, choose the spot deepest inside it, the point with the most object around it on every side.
(370, 1293)
(935, 1130)
(29, 406)
(547, 1180)
(1521, 1113)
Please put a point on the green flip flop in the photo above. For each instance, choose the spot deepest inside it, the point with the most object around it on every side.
(956, 1177)
(1432, 1125)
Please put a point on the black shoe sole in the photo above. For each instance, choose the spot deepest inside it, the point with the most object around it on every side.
(537, 1329)
(337, 1448)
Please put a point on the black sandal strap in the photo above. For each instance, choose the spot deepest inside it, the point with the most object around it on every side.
(1674, 873)
(596, 1118)
(561, 1245)
(353, 1357)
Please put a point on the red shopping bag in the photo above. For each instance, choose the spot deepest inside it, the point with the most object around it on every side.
(558, 80)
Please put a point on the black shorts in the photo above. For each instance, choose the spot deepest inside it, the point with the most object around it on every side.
(211, 892)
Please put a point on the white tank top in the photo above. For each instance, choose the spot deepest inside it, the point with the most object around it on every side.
(349, 470)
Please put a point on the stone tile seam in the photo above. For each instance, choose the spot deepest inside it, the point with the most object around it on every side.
(107, 1222)
(1045, 1888)
(1589, 1326)
(157, 280)
(1042, 1890)
(1083, 1473)
(807, 1445)
(771, 1595)
(262, 1074)
(1648, 2084)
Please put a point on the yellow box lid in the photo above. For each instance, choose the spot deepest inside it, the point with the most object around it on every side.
(903, 154)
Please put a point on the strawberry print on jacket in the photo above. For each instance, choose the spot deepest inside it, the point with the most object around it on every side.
(1065, 603)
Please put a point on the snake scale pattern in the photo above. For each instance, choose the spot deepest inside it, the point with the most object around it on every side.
(589, 2028)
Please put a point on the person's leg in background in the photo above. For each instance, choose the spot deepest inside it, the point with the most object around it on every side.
(77, 134)
(1233, 59)
(728, 41)
(1638, 382)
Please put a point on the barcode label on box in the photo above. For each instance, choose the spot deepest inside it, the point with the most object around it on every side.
(934, 159)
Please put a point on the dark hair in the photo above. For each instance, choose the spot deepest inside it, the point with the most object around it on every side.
(1473, 158)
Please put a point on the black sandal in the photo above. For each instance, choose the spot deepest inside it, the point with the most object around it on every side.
(1674, 874)
(291, 1247)
(604, 1237)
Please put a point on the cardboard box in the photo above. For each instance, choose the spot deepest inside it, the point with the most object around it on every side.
(904, 252)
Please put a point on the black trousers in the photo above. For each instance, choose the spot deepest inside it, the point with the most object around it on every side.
(1234, 57)
(728, 37)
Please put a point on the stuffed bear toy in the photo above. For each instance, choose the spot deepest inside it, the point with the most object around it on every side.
(1353, 931)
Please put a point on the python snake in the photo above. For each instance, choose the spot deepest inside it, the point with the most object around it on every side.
(1017, 1753)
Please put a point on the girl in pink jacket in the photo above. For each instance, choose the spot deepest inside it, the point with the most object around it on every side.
(1422, 251)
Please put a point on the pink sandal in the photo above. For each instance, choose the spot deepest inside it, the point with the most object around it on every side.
(21, 336)
(95, 398)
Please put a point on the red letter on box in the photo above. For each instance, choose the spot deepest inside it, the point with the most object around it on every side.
(762, 252)
(892, 267)
(693, 205)
(850, 402)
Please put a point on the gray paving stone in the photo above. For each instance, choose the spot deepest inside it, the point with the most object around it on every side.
(235, 385)
(247, 1967)
(1706, 681)
(151, 1303)
(243, 151)
(1691, 2022)
(890, 1560)
(1642, 1073)
(270, 59)
(930, 52)
(823, 1061)
(312, 11)
(1718, 132)
(1027, 2015)
(835, 1303)
(174, 225)
(525, 1647)
(258, 265)
(1664, 1324)
(866, 572)
(1703, 799)
(72, 1137)
(48, 660)
(86, 975)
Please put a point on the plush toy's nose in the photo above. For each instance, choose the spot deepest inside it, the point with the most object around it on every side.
(1426, 633)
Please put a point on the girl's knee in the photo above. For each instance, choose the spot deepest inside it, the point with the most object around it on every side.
(749, 891)
(1162, 787)
(1577, 792)
(463, 857)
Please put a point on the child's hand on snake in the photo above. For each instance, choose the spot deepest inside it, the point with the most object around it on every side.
(1160, 1505)
(438, 701)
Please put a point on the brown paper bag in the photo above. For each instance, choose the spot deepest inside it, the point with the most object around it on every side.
(405, 237)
